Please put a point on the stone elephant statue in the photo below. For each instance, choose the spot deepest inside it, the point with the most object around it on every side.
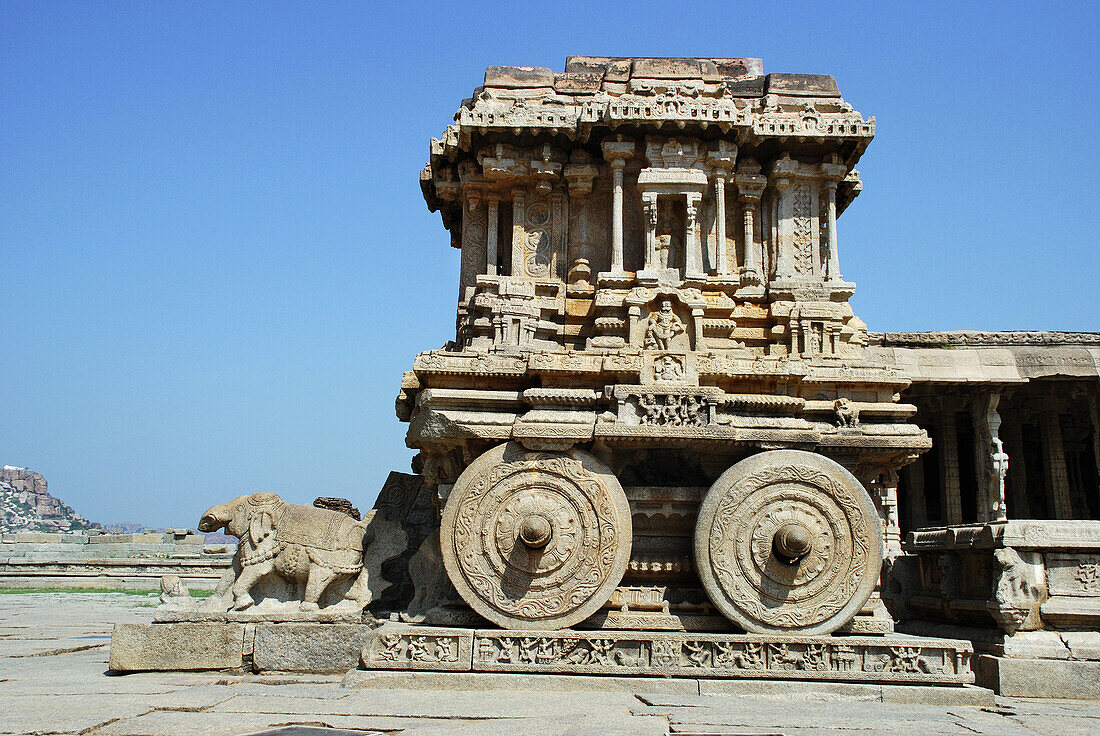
(309, 546)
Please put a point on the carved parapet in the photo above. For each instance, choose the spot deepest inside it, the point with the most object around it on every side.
(1014, 575)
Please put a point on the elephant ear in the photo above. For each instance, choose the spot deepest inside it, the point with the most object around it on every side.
(259, 527)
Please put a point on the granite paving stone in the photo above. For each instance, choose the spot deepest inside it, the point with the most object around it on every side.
(70, 693)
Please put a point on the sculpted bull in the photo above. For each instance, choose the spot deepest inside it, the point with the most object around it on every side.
(312, 547)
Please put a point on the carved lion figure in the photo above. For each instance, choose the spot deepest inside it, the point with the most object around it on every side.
(312, 547)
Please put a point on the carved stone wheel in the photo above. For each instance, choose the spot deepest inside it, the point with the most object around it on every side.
(788, 541)
(536, 540)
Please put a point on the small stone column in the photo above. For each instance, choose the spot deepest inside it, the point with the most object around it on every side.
(693, 262)
(720, 222)
(947, 434)
(1054, 458)
(616, 152)
(786, 233)
(649, 204)
(491, 235)
(519, 232)
(750, 186)
(832, 267)
(722, 158)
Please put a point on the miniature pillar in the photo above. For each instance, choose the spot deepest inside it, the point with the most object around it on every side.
(786, 234)
(616, 151)
(751, 269)
(693, 262)
(832, 268)
(491, 237)
(949, 467)
(617, 166)
(720, 229)
(519, 233)
(649, 202)
(1054, 457)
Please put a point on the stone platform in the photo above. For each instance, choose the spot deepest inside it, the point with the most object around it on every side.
(336, 647)
(891, 659)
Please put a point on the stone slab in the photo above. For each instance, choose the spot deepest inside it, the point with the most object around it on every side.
(845, 659)
(282, 614)
(308, 647)
(1039, 678)
(214, 646)
(511, 681)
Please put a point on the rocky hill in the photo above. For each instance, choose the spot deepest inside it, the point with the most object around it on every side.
(26, 505)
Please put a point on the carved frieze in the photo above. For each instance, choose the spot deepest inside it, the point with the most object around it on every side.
(856, 658)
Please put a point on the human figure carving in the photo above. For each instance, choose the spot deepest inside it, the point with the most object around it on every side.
(663, 326)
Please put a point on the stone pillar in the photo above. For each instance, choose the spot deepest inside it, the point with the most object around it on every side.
(832, 267)
(491, 236)
(1017, 468)
(1054, 458)
(1093, 402)
(720, 229)
(750, 186)
(616, 152)
(693, 245)
(519, 232)
(786, 234)
(807, 338)
(989, 458)
(649, 204)
(697, 324)
(916, 503)
(617, 166)
(949, 466)
(750, 272)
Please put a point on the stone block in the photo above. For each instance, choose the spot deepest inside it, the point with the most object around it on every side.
(143, 538)
(672, 68)
(802, 85)
(518, 77)
(205, 646)
(38, 538)
(309, 647)
(1038, 678)
(1082, 644)
(479, 681)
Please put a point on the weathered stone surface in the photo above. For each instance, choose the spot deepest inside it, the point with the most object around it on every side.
(309, 647)
(854, 659)
(1039, 678)
(517, 77)
(788, 541)
(536, 539)
(184, 646)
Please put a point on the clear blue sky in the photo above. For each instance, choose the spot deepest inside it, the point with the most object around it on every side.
(216, 260)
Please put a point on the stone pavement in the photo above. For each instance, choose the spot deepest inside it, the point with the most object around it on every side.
(54, 651)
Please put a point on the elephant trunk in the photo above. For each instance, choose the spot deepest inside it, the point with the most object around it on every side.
(214, 518)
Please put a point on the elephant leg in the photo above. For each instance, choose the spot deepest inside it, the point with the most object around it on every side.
(319, 579)
(249, 576)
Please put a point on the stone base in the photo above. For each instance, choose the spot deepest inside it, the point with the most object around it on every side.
(889, 659)
(184, 646)
(1039, 678)
(686, 686)
(262, 647)
(285, 614)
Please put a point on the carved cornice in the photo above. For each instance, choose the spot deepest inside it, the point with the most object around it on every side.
(974, 338)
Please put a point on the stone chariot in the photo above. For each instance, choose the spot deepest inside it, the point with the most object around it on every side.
(657, 413)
